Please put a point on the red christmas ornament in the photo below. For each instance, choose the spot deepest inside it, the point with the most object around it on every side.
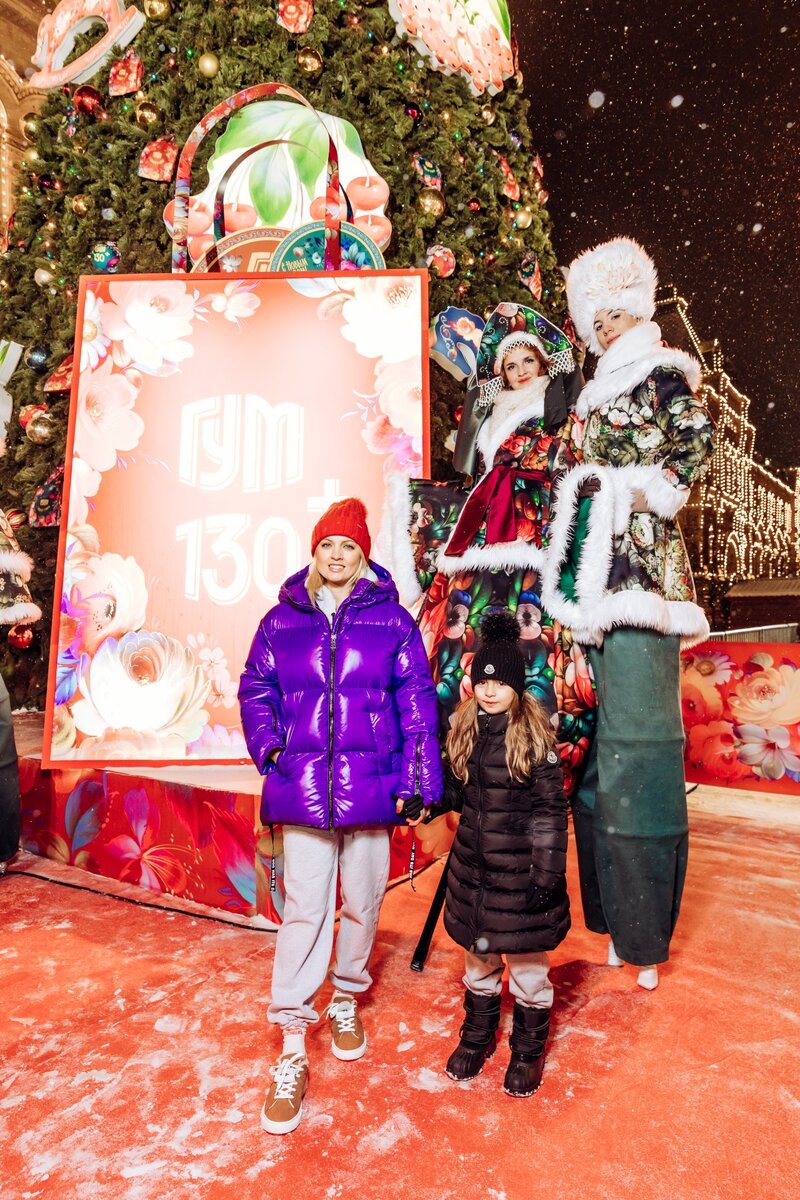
(295, 15)
(16, 517)
(413, 111)
(87, 102)
(125, 76)
(474, 205)
(61, 379)
(157, 160)
(20, 637)
(28, 411)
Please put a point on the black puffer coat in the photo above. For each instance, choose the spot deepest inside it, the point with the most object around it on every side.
(506, 887)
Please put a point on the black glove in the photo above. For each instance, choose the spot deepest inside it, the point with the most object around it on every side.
(412, 807)
(589, 487)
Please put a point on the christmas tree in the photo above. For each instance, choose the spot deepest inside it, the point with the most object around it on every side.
(447, 131)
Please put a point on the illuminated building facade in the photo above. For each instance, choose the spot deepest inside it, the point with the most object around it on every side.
(742, 521)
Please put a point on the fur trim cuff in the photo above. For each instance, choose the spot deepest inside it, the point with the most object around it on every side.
(18, 562)
(394, 539)
(25, 611)
(664, 498)
(503, 556)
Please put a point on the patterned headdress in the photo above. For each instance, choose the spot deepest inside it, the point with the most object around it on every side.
(616, 274)
(512, 325)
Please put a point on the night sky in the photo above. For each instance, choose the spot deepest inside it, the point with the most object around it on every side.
(693, 150)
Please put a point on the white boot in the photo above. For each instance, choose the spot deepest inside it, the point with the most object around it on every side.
(648, 978)
(613, 958)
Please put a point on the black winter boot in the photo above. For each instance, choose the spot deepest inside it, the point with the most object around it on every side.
(528, 1036)
(478, 1036)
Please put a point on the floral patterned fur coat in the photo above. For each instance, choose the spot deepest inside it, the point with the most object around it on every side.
(646, 437)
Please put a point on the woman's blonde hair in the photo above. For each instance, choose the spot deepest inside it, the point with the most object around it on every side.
(314, 580)
(529, 736)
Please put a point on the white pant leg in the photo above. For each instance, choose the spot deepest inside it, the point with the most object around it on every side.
(363, 872)
(483, 973)
(305, 939)
(529, 980)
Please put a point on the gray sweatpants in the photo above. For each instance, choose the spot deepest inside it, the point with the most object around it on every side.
(313, 858)
(528, 977)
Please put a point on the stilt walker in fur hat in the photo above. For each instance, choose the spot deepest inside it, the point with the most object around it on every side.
(485, 545)
(15, 606)
(629, 594)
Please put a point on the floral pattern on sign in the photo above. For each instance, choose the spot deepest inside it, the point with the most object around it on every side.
(121, 690)
(470, 37)
(741, 713)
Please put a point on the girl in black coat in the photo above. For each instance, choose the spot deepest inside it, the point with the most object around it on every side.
(506, 890)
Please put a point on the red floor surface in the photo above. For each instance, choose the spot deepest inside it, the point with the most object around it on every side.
(135, 1054)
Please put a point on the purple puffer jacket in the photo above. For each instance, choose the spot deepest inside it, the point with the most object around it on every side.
(352, 708)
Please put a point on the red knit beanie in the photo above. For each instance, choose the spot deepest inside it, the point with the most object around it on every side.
(345, 518)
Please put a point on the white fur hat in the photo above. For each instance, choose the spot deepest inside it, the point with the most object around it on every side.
(615, 274)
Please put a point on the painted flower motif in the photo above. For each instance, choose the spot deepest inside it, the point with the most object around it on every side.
(105, 422)
(145, 682)
(399, 389)
(84, 484)
(236, 302)
(618, 417)
(94, 342)
(107, 598)
(529, 618)
(402, 453)
(578, 678)
(64, 732)
(767, 751)
(711, 665)
(769, 697)
(223, 689)
(470, 36)
(465, 691)
(649, 439)
(145, 862)
(713, 748)
(701, 701)
(147, 322)
(218, 741)
(119, 744)
(381, 318)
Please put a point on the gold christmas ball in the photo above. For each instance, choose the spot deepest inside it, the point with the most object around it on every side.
(523, 218)
(431, 202)
(41, 429)
(148, 114)
(30, 125)
(309, 61)
(32, 156)
(208, 64)
(488, 114)
(80, 205)
(157, 10)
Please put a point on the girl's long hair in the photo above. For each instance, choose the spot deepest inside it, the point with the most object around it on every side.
(314, 580)
(529, 736)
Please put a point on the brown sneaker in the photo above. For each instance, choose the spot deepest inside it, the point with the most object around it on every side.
(283, 1106)
(348, 1039)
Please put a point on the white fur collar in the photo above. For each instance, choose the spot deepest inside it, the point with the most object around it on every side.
(511, 409)
(628, 363)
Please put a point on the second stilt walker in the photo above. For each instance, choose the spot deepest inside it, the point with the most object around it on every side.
(628, 593)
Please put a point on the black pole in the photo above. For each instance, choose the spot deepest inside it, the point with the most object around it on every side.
(434, 912)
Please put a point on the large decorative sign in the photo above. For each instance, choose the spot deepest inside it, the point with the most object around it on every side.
(472, 37)
(741, 713)
(59, 30)
(212, 420)
(282, 186)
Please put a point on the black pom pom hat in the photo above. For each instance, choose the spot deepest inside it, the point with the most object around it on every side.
(498, 656)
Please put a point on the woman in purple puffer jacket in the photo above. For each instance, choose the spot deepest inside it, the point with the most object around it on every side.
(339, 712)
